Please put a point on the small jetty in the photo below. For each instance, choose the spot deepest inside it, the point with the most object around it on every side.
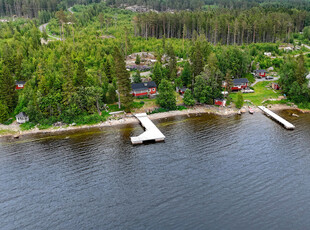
(152, 133)
(276, 117)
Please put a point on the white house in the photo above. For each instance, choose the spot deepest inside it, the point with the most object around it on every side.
(267, 54)
(22, 118)
(308, 78)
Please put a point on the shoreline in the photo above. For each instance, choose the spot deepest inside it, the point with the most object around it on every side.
(130, 119)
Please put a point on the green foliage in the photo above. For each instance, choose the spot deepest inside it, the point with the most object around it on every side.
(186, 75)
(138, 60)
(123, 80)
(293, 79)
(157, 73)
(4, 115)
(188, 98)
(250, 77)
(240, 101)
(197, 59)
(27, 126)
(137, 105)
(137, 77)
(206, 88)
(8, 94)
(166, 98)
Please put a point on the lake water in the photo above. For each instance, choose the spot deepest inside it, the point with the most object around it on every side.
(212, 172)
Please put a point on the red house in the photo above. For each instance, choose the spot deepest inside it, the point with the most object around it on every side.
(182, 90)
(260, 73)
(20, 84)
(275, 86)
(239, 84)
(144, 89)
(220, 102)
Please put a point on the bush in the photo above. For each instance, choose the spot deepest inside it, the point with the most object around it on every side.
(188, 98)
(27, 126)
(240, 101)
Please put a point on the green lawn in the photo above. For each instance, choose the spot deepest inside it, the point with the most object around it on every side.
(6, 132)
(261, 93)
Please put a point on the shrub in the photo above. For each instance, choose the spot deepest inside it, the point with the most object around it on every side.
(188, 98)
(240, 101)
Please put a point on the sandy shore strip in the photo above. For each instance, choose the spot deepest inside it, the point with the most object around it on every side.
(14, 130)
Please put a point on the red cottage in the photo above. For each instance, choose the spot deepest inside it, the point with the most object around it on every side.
(275, 86)
(220, 102)
(260, 73)
(240, 83)
(182, 90)
(144, 89)
(20, 84)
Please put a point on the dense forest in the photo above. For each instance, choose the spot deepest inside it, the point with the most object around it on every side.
(32, 8)
(223, 26)
(164, 5)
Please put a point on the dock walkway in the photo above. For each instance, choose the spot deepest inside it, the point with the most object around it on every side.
(152, 133)
(276, 117)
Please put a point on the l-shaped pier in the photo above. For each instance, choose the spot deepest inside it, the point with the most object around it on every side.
(276, 117)
(152, 133)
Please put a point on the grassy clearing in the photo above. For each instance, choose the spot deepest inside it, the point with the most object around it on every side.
(261, 94)
(7, 132)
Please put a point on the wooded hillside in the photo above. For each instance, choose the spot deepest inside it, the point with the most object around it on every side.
(223, 25)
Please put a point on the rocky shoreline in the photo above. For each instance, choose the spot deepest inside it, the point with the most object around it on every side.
(15, 132)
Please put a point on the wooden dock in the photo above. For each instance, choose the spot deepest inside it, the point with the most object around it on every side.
(152, 133)
(276, 117)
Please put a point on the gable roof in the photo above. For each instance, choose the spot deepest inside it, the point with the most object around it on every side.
(240, 80)
(21, 115)
(143, 85)
(20, 83)
(260, 71)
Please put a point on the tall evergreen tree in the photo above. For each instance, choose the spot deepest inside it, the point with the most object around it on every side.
(197, 59)
(8, 95)
(81, 75)
(123, 80)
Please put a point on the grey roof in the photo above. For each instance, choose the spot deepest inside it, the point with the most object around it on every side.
(240, 80)
(20, 83)
(260, 71)
(143, 85)
(21, 115)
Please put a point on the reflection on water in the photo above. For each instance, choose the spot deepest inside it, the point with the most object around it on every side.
(211, 173)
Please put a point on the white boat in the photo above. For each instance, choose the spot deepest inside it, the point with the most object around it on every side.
(251, 110)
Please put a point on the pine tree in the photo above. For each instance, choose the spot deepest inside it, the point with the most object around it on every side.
(4, 115)
(157, 73)
(8, 95)
(81, 76)
(197, 60)
(123, 80)
(109, 68)
(186, 75)
(301, 70)
(138, 60)
(137, 77)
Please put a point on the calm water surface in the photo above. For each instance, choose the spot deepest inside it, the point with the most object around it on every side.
(211, 173)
